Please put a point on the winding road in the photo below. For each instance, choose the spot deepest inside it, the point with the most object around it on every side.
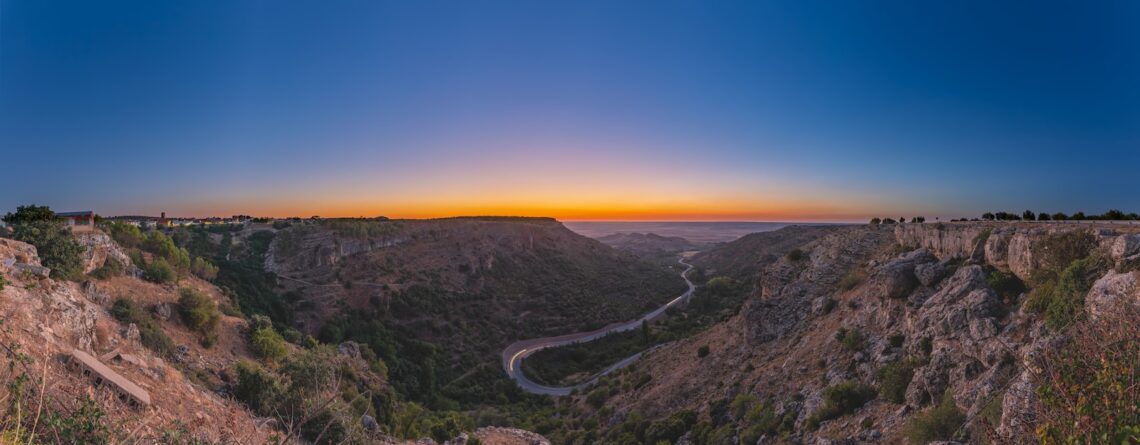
(514, 354)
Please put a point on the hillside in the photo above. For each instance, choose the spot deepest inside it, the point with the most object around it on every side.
(907, 334)
(648, 244)
(45, 319)
(438, 299)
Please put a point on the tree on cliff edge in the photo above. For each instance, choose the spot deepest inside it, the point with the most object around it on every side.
(57, 249)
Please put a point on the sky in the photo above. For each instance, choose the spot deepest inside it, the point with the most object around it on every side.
(622, 110)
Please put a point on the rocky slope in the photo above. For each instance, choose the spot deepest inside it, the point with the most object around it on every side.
(917, 295)
(45, 319)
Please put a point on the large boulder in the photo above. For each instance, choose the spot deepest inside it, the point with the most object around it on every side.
(1112, 293)
(1125, 247)
(896, 278)
(930, 274)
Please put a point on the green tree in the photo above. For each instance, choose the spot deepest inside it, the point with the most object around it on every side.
(57, 248)
(198, 311)
(159, 271)
(31, 213)
(268, 344)
(204, 269)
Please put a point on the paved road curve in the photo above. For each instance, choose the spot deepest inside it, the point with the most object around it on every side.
(514, 354)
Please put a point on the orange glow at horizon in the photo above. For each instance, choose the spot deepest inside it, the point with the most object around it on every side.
(563, 210)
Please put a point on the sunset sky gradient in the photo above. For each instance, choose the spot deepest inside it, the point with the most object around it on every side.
(658, 110)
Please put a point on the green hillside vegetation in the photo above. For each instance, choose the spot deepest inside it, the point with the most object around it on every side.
(715, 301)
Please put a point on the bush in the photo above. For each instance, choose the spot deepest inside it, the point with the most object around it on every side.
(828, 305)
(198, 311)
(125, 234)
(256, 387)
(84, 425)
(267, 344)
(796, 255)
(150, 333)
(1007, 285)
(841, 399)
(1088, 387)
(851, 339)
(1062, 300)
(203, 269)
(938, 423)
(54, 243)
(894, 378)
(159, 271)
(597, 397)
(852, 279)
(111, 268)
(896, 341)
(703, 351)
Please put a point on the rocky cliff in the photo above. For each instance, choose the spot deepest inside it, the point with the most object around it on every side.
(866, 305)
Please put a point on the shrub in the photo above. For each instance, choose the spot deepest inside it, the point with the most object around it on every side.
(256, 387)
(203, 269)
(829, 305)
(198, 311)
(796, 255)
(54, 243)
(1088, 387)
(851, 339)
(938, 423)
(876, 221)
(1007, 285)
(84, 425)
(1062, 300)
(842, 399)
(927, 345)
(159, 271)
(852, 279)
(267, 344)
(110, 268)
(125, 234)
(894, 378)
(150, 333)
(597, 397)
(896, 341)
(703, 351)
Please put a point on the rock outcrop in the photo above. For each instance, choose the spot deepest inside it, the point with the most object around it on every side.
(97, 247)
(1111, 294)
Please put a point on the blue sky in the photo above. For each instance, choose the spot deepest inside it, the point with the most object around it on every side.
(627, 110)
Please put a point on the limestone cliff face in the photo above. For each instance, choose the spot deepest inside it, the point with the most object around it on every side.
(1010, 247)
(944, 239)
(931, 304)
(99, 246)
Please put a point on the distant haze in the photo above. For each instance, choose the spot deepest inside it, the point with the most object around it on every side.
(697, 232)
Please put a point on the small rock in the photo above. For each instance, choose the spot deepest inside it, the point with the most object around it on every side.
(369, 423)
(349, 348)
(163, 311)
(132, 333)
